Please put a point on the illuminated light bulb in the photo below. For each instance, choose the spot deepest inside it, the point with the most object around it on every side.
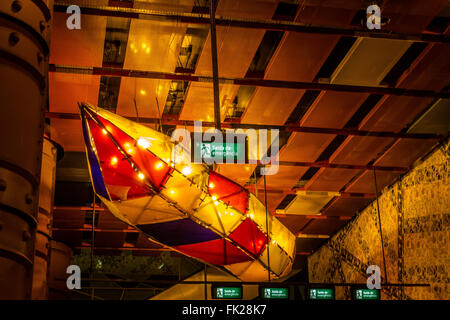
(144, 143)
(216, 203)
(273, 242)
(251, 215)
(211, 185)
(114, 161)
(186, 170)
(219, 214)
(214, 198)
(104, 131)
(141, 176)
(130, 151)
(159, 165)
(172, 191)
(132, 46)
(231, 213)
(147, 51)
(144, 46)
(143, 92)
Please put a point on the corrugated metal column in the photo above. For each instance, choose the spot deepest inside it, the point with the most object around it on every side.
(24, 50)
(45, 219)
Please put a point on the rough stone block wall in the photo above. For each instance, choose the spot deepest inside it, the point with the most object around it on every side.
(415, 219)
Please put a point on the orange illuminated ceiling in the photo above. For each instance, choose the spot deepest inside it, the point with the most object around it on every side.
(256, 54)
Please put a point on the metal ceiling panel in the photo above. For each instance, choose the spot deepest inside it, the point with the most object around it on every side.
(83, 47)
(165, 5)
(69, 135)
(366, 183)
(144, 92)
(332, 109)
(330, 179)
(435, 120)
(273, 199)
(402, 13)
(239, 173)
(308, 244)
(432, 72)
(308, 203)
(67, 89)
(404, 152)
(360, 150)
(292, 62)
(305, 147)
(322, 226)
(294, 223)
(235, 50)
(368, 61)
(285, 178)
(346, 206)
(235, 46)
(153, 45)
(199, 102)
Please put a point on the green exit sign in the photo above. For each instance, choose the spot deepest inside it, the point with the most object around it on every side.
(275, 293)
(227, 292)
(367, 294)
(321, 294)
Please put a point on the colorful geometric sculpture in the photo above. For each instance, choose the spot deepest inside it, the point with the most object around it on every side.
(145, 180)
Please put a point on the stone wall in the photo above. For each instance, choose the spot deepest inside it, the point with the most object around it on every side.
(415, 219)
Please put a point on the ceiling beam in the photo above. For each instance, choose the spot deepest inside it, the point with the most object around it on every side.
(274, 25)
(119, 72)
(287, 128)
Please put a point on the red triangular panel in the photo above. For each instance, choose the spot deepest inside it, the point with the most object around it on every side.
(154, 169)
(120, 179)
(248, 236)
(228, 191)
(218, 252)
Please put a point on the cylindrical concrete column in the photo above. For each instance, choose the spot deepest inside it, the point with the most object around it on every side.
(24, 50)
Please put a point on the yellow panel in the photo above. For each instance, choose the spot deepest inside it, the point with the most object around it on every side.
(279, 260)
(257, 212)
(148, 210)
(217, 215)
(283, 237)
(182, 191)
(255, 272)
